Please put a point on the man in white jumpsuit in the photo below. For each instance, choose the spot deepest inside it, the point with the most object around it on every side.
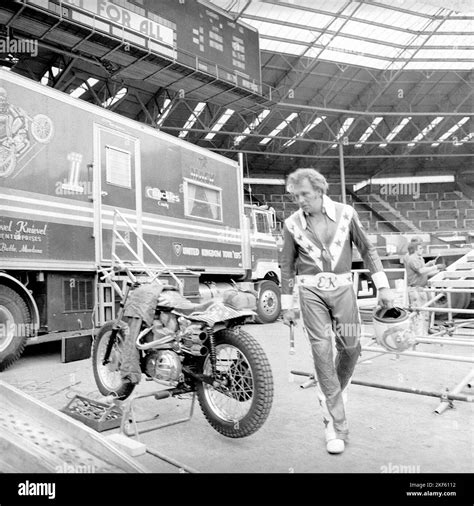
(317, 258)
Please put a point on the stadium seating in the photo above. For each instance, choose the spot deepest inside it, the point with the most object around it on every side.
(434, 208)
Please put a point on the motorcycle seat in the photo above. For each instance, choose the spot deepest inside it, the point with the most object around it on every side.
(173, 300)
(191, 307)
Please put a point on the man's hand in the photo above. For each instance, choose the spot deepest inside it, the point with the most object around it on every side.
(386, 298)
(290, 316)
(431, 263)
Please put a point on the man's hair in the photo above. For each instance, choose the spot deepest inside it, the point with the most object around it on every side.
(317, 180)
(414, 243)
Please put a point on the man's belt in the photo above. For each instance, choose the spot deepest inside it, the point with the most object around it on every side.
(326, 281)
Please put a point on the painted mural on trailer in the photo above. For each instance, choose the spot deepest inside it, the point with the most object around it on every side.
(21, 136)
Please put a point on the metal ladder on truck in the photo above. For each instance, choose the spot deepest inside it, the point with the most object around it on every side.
(112, 285)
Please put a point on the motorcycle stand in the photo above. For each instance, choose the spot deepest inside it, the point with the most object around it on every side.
(129, 416)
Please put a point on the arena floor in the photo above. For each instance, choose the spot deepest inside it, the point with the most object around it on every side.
(390, 431)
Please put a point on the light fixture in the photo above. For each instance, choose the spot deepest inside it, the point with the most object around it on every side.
(219, 124)
(459, 124)
(446, 178)
(192, 119)
(369, 131)
(279, 128)
(395, 131)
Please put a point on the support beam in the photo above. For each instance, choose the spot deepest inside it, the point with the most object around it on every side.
(343, 174)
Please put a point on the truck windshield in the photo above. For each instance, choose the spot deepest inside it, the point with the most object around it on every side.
(261, 222)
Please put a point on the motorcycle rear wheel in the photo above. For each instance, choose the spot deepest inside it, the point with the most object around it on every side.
(242, 408)
(107, 377)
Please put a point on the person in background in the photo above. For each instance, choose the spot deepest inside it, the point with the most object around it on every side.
(317, 255)
(418, 272)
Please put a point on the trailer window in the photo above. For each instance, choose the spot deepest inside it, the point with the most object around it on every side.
(202, 201)
(118, 167)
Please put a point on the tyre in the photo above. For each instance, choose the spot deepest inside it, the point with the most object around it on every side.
(241, 404)
(15, 321)
(458, 301)
(41, 128)
(268, 303)
(108, 377)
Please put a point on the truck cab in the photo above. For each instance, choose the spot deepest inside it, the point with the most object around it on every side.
(262, 253)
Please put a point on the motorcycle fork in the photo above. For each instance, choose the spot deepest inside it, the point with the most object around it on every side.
(116, 327)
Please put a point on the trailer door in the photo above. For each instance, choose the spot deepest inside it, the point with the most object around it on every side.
(117, 185)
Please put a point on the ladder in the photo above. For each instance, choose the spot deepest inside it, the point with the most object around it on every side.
(111, 281)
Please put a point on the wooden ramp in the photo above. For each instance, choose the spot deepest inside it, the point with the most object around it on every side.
(35, 438)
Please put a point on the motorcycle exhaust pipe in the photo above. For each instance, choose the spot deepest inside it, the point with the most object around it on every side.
(196, 349)
(195, 338)
(157, 343)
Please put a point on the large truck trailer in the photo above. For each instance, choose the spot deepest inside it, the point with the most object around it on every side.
(67, 169)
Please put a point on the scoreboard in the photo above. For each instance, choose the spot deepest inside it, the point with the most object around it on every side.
(192, 32)
(216, 38)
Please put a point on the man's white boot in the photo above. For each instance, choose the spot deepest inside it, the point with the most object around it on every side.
(333, 443)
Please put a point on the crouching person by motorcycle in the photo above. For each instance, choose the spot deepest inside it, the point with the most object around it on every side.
(189, 348)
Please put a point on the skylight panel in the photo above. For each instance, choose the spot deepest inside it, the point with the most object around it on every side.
(192, 119)
(395, 131)
(425, 130)
(113, 100)
(255, 123)
(279, 128)
(164, 112)
(468, 137)
(303, 132)
(347, 123)
(219, 124)
(80, 90)
(450, 132)
(370, 130)
(54, 71)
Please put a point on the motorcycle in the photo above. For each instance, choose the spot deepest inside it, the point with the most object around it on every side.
(190, 348)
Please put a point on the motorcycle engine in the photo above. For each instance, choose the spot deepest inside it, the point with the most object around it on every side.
(163, 365)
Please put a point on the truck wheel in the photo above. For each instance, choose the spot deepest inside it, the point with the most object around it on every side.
(268, 303)
(15, 319)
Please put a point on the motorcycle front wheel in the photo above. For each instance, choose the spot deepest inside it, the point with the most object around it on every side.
(108, 377)
(239, 403)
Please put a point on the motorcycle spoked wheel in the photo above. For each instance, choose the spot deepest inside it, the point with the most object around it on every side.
(107, 377)
(243, 407)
